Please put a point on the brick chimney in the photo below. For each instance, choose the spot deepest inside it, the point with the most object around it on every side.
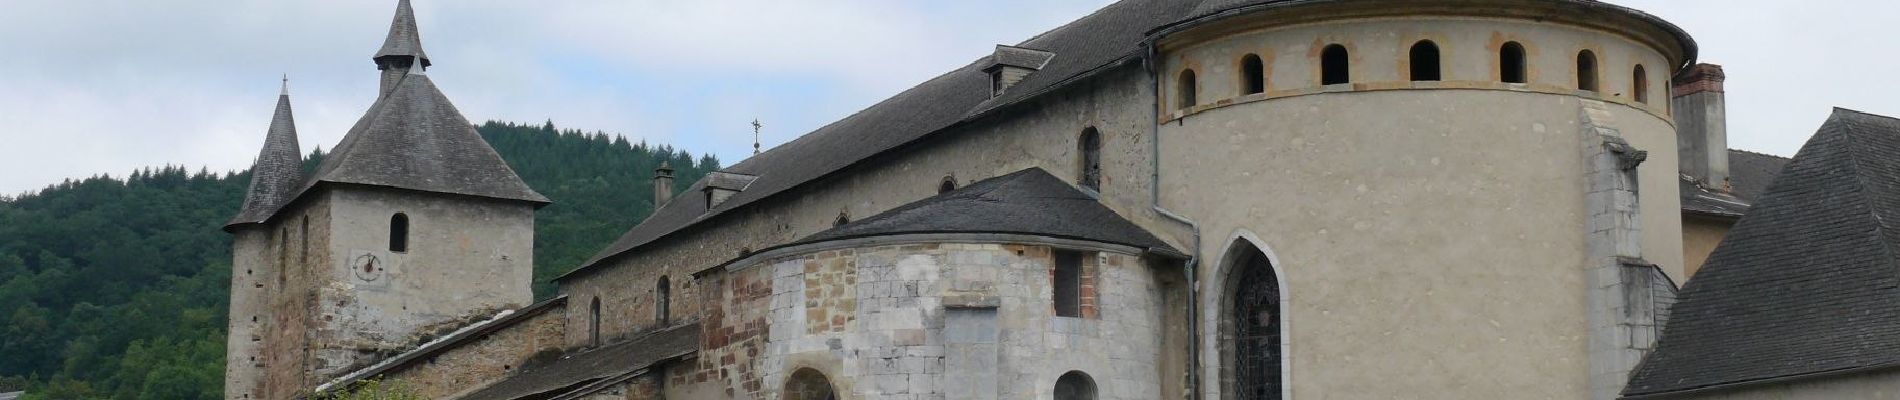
(662, 185)
(1702, 125)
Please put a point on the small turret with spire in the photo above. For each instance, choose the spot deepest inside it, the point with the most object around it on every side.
(278, 171)
(402, 50)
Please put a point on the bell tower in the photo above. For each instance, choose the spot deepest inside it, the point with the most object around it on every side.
(413, 226)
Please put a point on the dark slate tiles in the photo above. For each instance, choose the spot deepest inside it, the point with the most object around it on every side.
(1806, 283)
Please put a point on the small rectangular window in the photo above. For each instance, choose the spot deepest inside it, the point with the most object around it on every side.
(1068, 283)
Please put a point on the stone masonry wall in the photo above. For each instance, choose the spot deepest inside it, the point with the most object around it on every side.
(932, 321)
(485, 360)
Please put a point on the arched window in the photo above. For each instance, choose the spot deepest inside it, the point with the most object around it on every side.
(593, 323)
(1075, 385)
(399, 233)
(1335, 65)
(1185, 89)
(1425, 64)
(843, 218)
(1251, 355)
(1511, 63)
(1253, 75)
(808, 384)
(662, 301)
(1090, 145)
(1640, 85)
(949, 183)
(1587, 70)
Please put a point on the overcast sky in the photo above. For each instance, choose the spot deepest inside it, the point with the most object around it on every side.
(90, 87)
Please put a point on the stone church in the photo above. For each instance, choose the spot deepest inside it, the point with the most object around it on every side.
(1165, 199)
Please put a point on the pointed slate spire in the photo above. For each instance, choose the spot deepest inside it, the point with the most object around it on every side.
(413, 138)
(277, 174)
(404, 40)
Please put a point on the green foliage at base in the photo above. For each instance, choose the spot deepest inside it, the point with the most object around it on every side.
(375, 390)
(118, 288)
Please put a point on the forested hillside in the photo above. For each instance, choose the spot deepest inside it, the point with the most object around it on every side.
(116, 287)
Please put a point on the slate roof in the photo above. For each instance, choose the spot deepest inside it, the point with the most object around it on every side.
(1028, 202)
(1109, 37)
(1749, 175)
(413, 138)
(278, 171)
(404, 38)
(551, 378)
(1807, 282)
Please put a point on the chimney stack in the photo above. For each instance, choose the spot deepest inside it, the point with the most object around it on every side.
(1702, 125)
(662, 185)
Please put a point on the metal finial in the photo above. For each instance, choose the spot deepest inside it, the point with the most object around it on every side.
(755, 135)
(286, 90)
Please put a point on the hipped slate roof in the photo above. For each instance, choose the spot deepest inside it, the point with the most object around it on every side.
(552, 378)
(413, 138)
(1114, 35)
(1028, 202)
(278, 172)
(404, 38)
(1807, 282)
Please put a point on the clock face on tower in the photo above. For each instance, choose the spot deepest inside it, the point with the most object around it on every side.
(367, 267)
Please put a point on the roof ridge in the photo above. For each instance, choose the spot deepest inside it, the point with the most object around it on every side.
(1756, 153)
(1857, 172)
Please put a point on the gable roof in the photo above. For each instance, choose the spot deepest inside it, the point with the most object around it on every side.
(1030, 202)
(413, 138)
(278, 171)
(1806, 283)
(1109, 37)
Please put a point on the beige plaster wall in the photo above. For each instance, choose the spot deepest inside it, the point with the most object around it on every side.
(1427, 236)
(1700, 236)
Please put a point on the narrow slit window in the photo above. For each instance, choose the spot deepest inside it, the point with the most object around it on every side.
(1067, 283)
(1425, 64)
(1640, 85)
(1253, 75)
(399, 233)
(1091, 149)
(1185, 89)
(1587, 71)
(662, 301)
(1511, 68)
(593, 323)
(1335, 65)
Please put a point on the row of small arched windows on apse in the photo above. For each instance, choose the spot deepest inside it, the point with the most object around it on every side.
(1336, 68)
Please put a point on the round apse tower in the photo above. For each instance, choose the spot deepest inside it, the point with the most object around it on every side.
(1419, 196)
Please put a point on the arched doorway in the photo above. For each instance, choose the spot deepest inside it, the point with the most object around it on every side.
(808, 384)
(1075, 385)
(1251, 326)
